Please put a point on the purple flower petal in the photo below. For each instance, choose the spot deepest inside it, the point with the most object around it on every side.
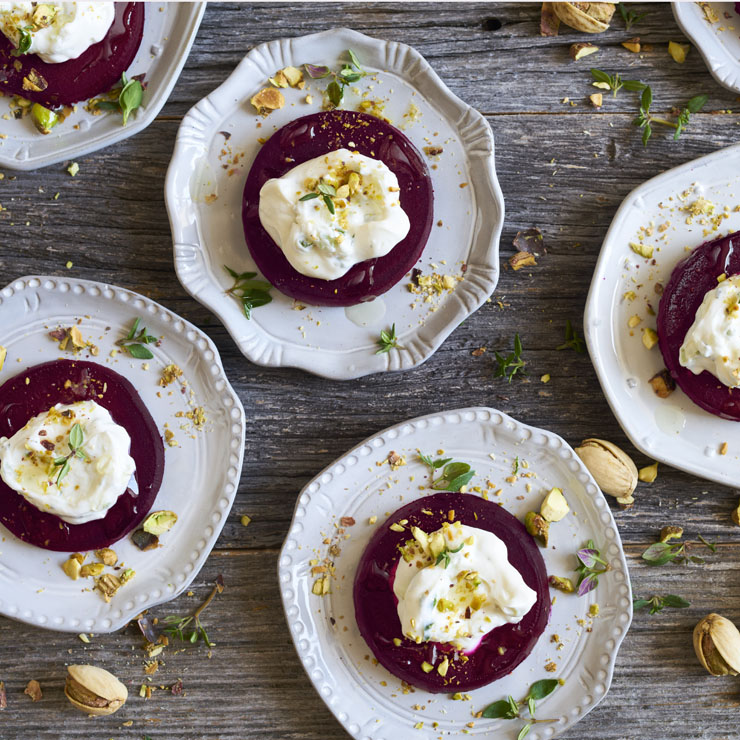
(589, 583)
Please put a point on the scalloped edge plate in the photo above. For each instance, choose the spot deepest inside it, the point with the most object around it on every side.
(204, 206)
(672, 430)
(169, 32)
(33, 587)
(720, 50)
(369, 701)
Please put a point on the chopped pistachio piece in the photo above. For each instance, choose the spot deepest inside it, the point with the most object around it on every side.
(159, 522)
(649, 473)
(642, 249)
(554, 507)
(649, 338)
(678, 52)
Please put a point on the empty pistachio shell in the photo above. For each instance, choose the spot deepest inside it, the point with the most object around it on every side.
(717, 645)
(94, 690)
(586, 17)
(611, 467)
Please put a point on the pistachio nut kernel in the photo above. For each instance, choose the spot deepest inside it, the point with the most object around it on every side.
(554, 507)
(94, 690)
(91, 569)
(537, 526)
(561, 584)
(717, 645)
(159, 522)
(106, 556)
(612, 468)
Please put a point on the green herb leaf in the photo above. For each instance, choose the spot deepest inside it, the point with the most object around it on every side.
(329, 204)
(542, 688)
(697, 103)
(354, 59)
(659, 553)
(134, 328)
(335, 91)
(630, 17)
(130, 97)
(531, 706)
(601, 76)
(457, 483)
(507, 367)
(326, 189)
(640, 603)
(388, 340)
(573, 340)
(309, 196)
(675, 602)
(249, 292)
(76, 437)
(710, 545)
(453, 470)
(63, 471)
(24, 42)
(498, 710)
(524, 732)
(139, 351)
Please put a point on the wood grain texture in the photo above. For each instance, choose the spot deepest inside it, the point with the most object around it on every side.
(563, 168)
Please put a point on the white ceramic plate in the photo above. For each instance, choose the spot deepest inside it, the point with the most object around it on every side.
(169, 32)
(204, 194)
(718, 43)
(672, 430)
(361, 484)
(200, 476)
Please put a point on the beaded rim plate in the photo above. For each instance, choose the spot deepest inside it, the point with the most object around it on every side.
(672, 430)
(369, 701)
(718, 43)
(216, 144)
(201, 475)
(169, 32)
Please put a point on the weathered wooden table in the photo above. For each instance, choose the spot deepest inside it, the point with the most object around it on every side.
(564, 167)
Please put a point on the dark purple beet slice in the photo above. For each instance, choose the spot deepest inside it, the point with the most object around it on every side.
(375, 603)
(95, 71)
(312, 136)
(690, 280)
(19, 401)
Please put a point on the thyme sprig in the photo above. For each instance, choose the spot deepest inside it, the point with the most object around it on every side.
(349, 73)
(658, 603)
(513, 363)
(590, 566)
(630, 17)
(453, 477)
(249, 292)
(326, 192)
(25, 40)
(645, 119)
(190, 629)
(573, 340)
(445, 555)
(510, 708)
(665, 552)
(388, 341)
(136, 340)
(615, 83)
(76, 441)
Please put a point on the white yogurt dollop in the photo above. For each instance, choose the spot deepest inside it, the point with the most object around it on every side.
(713, 341)
(367, 222)
(455, 585)
(93, 481)
(59, 31)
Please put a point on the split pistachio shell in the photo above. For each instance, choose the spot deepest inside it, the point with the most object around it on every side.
(717, 645)
(586, 17)
(612, 468)
(94, 690)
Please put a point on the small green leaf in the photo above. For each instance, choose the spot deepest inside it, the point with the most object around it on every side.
(659, 553)
(462, 480)
(531, 706)
(633, 85)
(675, 602)
(335, 91)
(329, 204)
(524, 732)
(601, 76)
(646, 98)
(542, 688)
(76, 436)
(139, 351)
(130, 97)
(452, 470)
(354, 58)
(134, 328)
(697, 103)
(498, 710)
(640, 603)
(308, 196)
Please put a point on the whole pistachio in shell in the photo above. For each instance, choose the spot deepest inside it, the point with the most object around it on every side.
(717, 645)
(611, 467)
(94, 690)
(586, 17)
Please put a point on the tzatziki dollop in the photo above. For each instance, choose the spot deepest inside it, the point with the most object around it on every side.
(455, 585)
(713, 341)
(333, 212)
(72, 461)
(58, 31)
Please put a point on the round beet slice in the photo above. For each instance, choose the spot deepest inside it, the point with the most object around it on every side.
(375, 602)
(313, 136)
(36, 390)
(690, 280)
(95, 71)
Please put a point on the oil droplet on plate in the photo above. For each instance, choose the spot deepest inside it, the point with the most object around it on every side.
(670, 419)
(367, 313)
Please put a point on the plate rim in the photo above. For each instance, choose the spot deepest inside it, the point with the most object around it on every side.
(600, 347)
(682, 13)
(284, 354)
(138, 123)
(24, 282)
(286, 579)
